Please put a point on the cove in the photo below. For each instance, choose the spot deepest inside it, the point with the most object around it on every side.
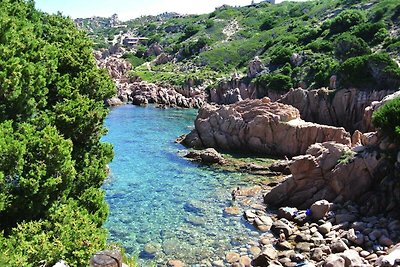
(163, 206)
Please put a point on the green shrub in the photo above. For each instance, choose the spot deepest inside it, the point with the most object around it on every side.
(321, 70)
(281, 55)
(387, 118)
(368, 32)
(376, 70)
(268, 24)
(345, 20)
(347, 45)
(276, 82)
(320, 46)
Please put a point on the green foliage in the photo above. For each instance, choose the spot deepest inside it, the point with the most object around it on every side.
(373, 33)
(321, 70)
(320, 46)
(190, 30)
(276, 82)
(376, 70)
(52, 162)
(268, 24)
(346, 157)
(387, 118)
(133, 59)
(68, 233)
(345, 20)
(334, 29)
(281, 55)
(347, 45)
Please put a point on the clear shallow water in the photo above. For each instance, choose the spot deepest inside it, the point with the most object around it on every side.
(160, 202)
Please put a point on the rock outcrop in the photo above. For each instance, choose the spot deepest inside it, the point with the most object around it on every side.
(343, 108)
(328, 171)
(260, 126)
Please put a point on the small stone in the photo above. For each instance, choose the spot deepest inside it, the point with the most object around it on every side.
(290, 264)
(355, 237)
(352, 258)
(287, 213)
(297, 258)
(245, 261)
(317, 254)
(266, 220)
(234, 210)
(152, 248)
(303, 246)
(232, 257)
(285, 245)
(266, 241)
(255, 250)
(338, 246)
(325, 228)
(175, 263)
(284, 260)
(385, 241)
(381, 253)
(219, 263)
(375, 235)
(263, 228)
(372, 257)
(249, 215)
(270, 252)
(364, 253)
(334, 260)
(358, 226)
(302, 237)
(279, 225)
(319, 209)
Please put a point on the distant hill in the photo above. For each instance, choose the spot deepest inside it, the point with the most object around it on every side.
(298, 43)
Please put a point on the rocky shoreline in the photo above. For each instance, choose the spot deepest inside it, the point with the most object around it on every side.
(141, 93)
(339, 205)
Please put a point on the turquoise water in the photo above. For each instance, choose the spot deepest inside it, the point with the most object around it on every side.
(163, 206)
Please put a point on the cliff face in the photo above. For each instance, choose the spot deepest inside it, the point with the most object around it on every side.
(260, 126)
(345, 108)
(342, 108)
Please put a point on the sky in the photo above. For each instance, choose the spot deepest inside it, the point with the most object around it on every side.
(128, 9)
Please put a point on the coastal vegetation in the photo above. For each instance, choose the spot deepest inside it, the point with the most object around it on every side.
(299, 43)
(52, 162)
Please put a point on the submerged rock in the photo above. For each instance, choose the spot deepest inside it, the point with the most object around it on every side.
(206, 156)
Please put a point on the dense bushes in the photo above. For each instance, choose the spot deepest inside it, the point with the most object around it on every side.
(348, 45)
(373, 71)
(345, 20)
(387, 118)
(52, 162)
(276, 82)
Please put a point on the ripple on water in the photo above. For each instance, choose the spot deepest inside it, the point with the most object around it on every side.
(161, 205)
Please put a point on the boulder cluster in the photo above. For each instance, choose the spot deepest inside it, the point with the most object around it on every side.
(326, 234)
(142, 93)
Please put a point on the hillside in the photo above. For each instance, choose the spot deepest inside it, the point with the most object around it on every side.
(297, 43)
